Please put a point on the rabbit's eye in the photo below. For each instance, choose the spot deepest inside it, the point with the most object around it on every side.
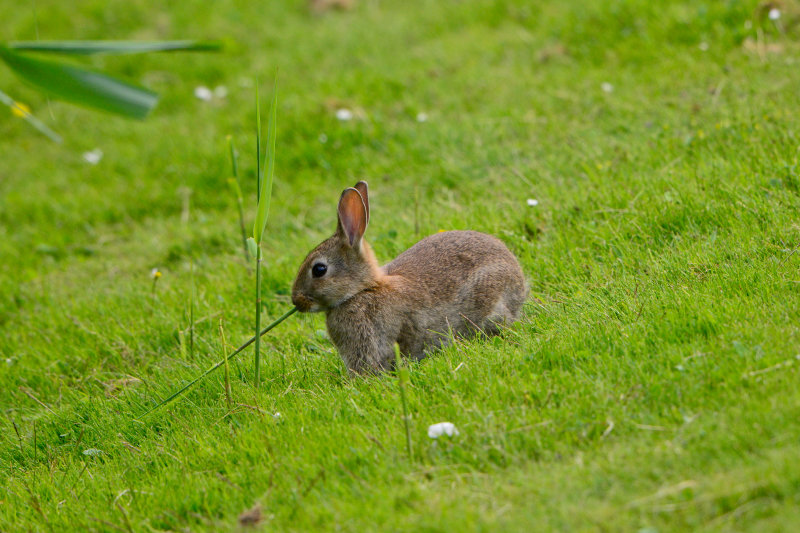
(319, 269)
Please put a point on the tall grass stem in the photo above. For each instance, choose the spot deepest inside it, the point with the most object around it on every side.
(262, 207)
(257, 370)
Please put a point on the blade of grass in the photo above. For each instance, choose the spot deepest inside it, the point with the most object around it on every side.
(81, 86)
(114, 47)
(264, 198)
(265, 178)
(237, 191)
(257, 240)
(236, 352)
(182, 344)
(258, 151)
(26, 115)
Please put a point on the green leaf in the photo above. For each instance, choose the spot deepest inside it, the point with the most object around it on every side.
(82, 86)
(265, 179)
(252, 247)
(113, 47)
(234, 158)
(234, 185)
(258, 149)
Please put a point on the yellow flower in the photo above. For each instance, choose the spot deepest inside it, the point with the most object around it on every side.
(20, 110)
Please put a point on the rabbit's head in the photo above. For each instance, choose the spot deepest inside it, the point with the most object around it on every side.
(342, 265)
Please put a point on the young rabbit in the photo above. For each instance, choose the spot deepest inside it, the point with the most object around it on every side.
(455, 282)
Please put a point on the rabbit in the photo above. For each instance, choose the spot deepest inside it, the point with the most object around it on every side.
(452, 283)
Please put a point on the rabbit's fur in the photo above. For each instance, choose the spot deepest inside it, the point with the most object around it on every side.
(449, 284)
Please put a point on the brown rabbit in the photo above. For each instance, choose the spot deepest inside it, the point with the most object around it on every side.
(452, 282)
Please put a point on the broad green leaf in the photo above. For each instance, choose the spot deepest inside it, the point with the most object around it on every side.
(82, 86)
(265, 188)
(113, 47)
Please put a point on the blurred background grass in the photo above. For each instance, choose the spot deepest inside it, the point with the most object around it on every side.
(660, 140)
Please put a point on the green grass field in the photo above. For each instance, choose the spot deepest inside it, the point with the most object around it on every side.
(651, 386)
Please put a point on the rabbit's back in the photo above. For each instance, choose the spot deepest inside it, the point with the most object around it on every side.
(464, 277)
(443, 260)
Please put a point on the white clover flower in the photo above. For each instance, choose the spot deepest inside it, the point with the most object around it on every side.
(607, 87)
(93, 157)
(344, 114)
(203, 93)
(533, 202)
(422, 117)
(774, 13)
(442, 428)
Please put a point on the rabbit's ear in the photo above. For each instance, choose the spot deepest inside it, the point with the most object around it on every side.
(363, 190)
(352, 216)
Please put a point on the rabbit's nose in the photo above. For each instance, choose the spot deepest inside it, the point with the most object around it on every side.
(303, 303)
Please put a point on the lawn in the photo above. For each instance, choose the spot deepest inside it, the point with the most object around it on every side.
(651, 385)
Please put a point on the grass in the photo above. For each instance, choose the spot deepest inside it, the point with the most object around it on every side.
(264, 192)
(652, 384)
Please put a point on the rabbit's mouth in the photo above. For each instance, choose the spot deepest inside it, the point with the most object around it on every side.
(305, 304)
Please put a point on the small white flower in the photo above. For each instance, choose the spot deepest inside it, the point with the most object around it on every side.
(607, 87)
(203, 93)
(344, 114)
(93, 157)
(155, 273)
(276, 416)
(323, 138)
(8, 360)
(703, 46)
(220, 92)
(774, 13)
(442, 428)
(422, 117)
(533, 202)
